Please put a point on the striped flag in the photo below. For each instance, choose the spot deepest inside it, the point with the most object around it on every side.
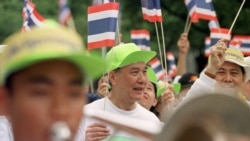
(151, 10)
(207, 46)
(235, 44)
(102, 24)
(97, 2)
(172, 65)
(219, 33)
(190, 4)
(141, 38)
(200, 9)
(30, 16)
(157, 67)
(205, 10)
(64, 12)
(213, 24)
(245, 43)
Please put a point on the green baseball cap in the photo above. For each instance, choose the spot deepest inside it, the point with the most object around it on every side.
(126, 54)
(51, 41)
(153, 79)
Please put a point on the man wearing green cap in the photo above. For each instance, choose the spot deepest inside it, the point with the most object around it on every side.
(41, 80)
(127, 76)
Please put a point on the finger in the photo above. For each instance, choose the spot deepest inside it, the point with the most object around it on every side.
(95, 138)
(98, 124)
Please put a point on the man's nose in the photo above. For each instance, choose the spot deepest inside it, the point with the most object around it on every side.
(228, 78)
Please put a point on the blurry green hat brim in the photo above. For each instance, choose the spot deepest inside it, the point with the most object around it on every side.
(85, 63)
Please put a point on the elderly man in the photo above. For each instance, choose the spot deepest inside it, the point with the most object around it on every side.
(41, 82)
(127, 77)
(226, 72)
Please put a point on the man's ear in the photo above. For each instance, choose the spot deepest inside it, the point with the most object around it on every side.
(112, 78)
(4, 101)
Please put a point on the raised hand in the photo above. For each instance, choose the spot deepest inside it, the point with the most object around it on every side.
(217, 56)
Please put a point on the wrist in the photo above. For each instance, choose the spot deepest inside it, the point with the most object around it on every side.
(209, 74)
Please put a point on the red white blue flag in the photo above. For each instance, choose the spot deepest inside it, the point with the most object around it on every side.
(97, 2)
(205, 10)
(141, 38)
(235, 44)
(201, 9)
(213, 24)
(207, 46)
(219, 33)
(190, 4)
(64, 12)
(151, 10)
(245, 43)
(102, 24)
(172, 65)
(30, 16)
(157, 67)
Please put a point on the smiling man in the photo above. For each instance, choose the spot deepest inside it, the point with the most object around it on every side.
(225, 73)
(42, 76)
(127, 76)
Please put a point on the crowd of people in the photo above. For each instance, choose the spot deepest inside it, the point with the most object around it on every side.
(44, 86)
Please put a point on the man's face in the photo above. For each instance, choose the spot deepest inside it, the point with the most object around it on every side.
(229, 77)
(131, 80)
(148, 100)
(43, 94)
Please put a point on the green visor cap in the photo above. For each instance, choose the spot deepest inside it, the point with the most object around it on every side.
(48, 42)
(126, 54)
(153, 79)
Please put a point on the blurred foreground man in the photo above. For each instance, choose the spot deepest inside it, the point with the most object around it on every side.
(42, 77)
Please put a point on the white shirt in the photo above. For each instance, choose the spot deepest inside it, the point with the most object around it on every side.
(139, 113)
(5, 129)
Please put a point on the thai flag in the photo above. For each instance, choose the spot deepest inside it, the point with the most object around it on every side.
(219, 33)
(157, 67)
(64, 12)
(151, 10)
(190, 4)
(108, 1)
(205, 10)
(172, 65)
(141, 38)
(207, 46)
(213, 24)
(235, 44)
(31, 16)
(245, 43)
(102, 23)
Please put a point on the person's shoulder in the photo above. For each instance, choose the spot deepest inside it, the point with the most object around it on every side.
(147, 114)
(92, 97)
(3, 123)
(96, 104)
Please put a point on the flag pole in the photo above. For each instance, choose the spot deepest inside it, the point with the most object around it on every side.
(164, 50)
(236, 17)
(186, 23)
(189, 26)
(159, 45)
